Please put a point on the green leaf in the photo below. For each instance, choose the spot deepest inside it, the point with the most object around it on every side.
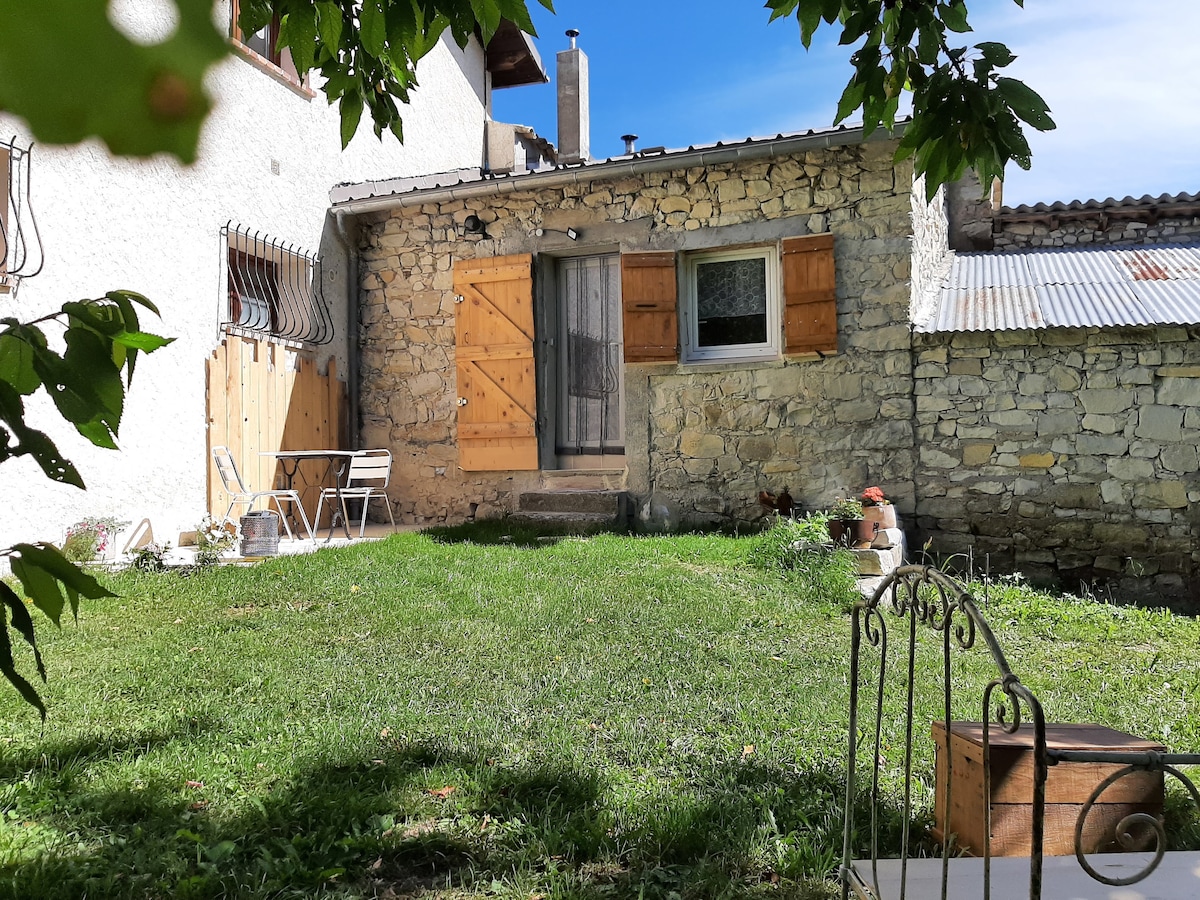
(31, 442)
(9, 669)
(809, 16)
(50, 561)
(487, 17)
(329, 24)
(138, 99)
(852, 98)
(954, 14)
(41, 587)
(996, 53)
(141, 340)
(372, 26)
(132, 297)
(103, 318)
(23, 623)
(16, 364)
(85, 385)
(351, 112)
(298, 30)
(1026, 103)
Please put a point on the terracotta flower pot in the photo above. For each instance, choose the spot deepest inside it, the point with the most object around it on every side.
(885, 515)
(857, 533)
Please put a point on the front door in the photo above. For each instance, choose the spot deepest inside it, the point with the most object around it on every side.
(590, 430)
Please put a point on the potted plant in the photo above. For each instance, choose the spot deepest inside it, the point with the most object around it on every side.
(847, 526)
(878, 508)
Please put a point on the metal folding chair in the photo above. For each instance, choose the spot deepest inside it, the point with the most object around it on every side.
(239, 493)
(366, 480)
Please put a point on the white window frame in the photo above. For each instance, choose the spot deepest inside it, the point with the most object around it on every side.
(768, 349)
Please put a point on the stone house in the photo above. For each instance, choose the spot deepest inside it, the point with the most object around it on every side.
(688, 327)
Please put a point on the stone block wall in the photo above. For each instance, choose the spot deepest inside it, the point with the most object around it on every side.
(704, 438)
(1095, 230)
(1068, 454)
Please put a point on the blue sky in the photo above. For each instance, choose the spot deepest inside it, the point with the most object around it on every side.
(1120, 78)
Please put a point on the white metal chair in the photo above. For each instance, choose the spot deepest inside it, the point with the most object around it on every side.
(366, 480)
(239, 493)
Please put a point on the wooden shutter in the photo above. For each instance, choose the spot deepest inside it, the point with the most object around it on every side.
(648, 298)
(810, 295)
(497, 398)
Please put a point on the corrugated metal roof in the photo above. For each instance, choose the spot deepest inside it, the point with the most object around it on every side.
(1070, 288)
(1002, 308)
(1163, 202)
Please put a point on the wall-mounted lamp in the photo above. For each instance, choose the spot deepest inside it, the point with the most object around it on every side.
(474, 225)
(571, 233)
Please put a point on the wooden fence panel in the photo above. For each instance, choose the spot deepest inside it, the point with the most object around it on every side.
(265, 397)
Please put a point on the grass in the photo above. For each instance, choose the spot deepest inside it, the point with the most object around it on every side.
(480, 713)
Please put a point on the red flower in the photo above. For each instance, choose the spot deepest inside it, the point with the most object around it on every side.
(873, 496)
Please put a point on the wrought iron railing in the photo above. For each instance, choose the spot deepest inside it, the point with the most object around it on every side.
(273, 288)
(21, 253)
(925, 603)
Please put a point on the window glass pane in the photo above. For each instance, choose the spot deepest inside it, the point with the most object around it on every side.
(731, 302)
(260, 43)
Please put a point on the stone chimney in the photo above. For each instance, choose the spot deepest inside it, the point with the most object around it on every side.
(970, 215)
(574, 131)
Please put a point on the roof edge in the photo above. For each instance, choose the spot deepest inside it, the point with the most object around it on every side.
(637, 164)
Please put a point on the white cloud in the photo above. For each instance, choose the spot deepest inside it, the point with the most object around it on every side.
(1120, 81)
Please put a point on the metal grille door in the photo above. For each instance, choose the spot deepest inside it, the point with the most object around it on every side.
(591, 405)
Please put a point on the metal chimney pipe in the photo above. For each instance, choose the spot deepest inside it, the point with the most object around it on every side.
(630, 149)
(574, 131)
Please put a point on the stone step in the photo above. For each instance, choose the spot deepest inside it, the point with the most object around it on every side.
(614, 504)
(566, 521)
(877, 562)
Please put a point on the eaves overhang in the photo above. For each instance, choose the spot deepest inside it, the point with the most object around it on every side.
(512, 59)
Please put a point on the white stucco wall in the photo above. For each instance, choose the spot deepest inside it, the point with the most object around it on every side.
(153, 226)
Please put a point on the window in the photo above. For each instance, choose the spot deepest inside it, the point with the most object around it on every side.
(735, 303)
(273, 289)
(253, 291)
(731, 305)
(261, 48)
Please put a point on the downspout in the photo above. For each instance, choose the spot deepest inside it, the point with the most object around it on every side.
(352, 337)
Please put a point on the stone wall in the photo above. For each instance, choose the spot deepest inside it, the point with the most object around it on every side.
(702, 438)
(1113, 230)
(1069, 454)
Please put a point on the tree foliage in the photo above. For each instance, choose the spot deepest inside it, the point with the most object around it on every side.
(964, 113)
(367, 50)
(86, 380)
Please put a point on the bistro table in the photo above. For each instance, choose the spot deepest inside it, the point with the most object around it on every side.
(335, 465)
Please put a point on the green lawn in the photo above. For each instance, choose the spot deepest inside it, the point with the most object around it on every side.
(431, 717)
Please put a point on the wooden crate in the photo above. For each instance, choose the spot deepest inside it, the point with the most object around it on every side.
(1068, 786)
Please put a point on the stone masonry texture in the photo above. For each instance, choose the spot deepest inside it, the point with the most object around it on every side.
(1069, 453)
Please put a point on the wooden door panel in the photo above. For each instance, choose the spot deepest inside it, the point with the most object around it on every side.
(497, 395)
